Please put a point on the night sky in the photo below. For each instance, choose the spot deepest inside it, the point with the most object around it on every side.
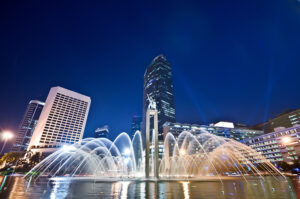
(232, 60)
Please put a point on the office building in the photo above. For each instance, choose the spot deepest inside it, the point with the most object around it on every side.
(282, 145)
(102, 132)
(158, 85)
(27, 125)
(62, 120)
(223, 129)
(286, 119)
(136, 124)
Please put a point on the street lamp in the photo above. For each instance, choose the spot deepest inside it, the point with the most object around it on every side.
(6, 135)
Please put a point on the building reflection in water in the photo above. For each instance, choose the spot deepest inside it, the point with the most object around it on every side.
(186, 189)
(60, 189)
(142, 190)
(124, 191)
(115, 190)
(15, 188)
(120, 189)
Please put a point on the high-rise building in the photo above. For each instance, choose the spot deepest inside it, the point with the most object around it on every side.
(101, 132)
(136, 124)
(27, 125)
(286, 119)
(223, 129)
(159, 86)
(62, 120)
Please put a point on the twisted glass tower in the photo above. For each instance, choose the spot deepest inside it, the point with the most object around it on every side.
(158, 85)
(27, 125)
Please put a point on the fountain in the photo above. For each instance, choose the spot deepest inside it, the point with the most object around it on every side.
(189, 156)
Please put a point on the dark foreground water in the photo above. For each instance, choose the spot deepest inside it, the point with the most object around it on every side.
(17, 187)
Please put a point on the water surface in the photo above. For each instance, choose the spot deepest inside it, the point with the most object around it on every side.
(17, 188)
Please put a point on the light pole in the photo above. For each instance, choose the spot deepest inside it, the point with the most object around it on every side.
(6, 135)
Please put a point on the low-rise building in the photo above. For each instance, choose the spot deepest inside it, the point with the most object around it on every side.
(101, 132)
(286, 119)
(223, 129)
(283, 145)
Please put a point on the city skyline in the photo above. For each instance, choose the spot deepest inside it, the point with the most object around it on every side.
(237, 75)
(150, 99)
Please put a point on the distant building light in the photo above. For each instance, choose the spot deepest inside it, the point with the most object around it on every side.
(294, 115)
(280, 128)
(196, 128)
(224, 124)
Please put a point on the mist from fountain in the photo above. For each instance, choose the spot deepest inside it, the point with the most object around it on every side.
(189, 156)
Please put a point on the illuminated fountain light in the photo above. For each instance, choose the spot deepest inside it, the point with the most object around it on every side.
(187, 156)
(210, 155)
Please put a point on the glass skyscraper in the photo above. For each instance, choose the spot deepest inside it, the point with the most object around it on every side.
(136, 124)
(158, 85)
(27, 125)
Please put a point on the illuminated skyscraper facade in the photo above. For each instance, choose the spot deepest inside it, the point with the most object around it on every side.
(27, 125)
(158, 85)
(62, 120)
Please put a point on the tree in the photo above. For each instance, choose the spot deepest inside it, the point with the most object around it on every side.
(11, 157)
(1, 163)
(35, 158)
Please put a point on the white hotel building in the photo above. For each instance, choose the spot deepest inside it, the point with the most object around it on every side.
(61, 122)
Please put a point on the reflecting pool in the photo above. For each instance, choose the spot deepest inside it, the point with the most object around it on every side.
(17, 187)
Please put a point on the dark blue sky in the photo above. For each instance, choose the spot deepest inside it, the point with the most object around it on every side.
(232, 60)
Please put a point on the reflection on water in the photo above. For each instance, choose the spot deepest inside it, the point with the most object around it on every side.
(124, 190)
(186, 190)
(59, 190)
(115, 189)
(15, 188)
